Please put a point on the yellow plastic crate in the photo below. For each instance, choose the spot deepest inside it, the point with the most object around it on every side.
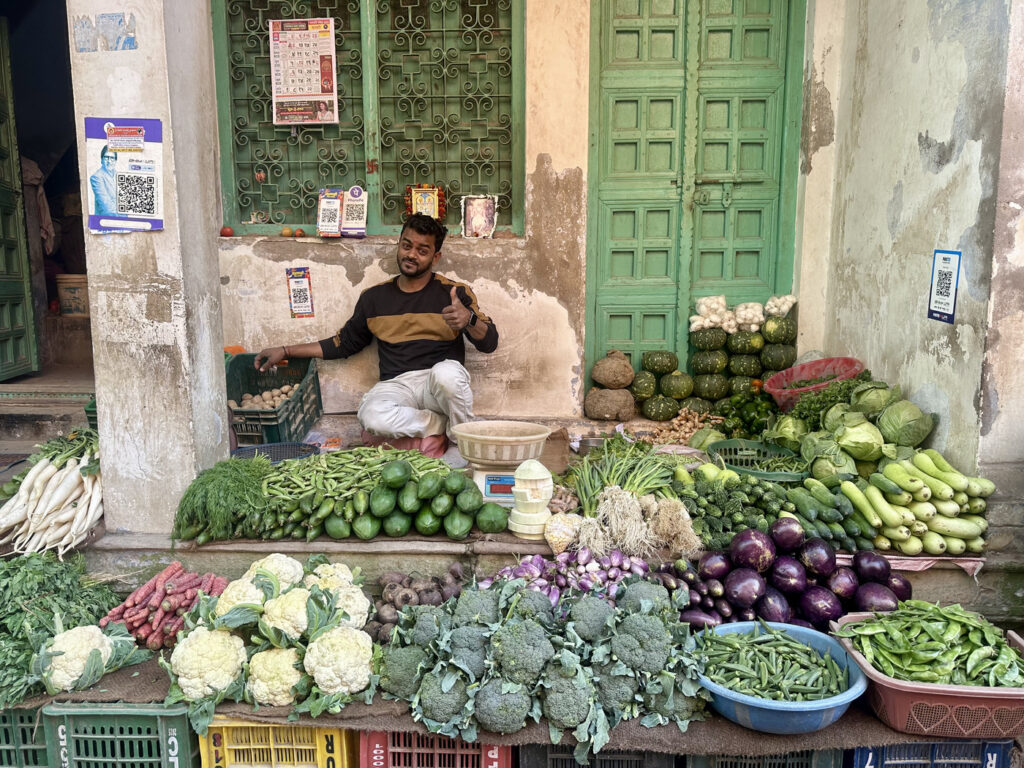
(244, 744)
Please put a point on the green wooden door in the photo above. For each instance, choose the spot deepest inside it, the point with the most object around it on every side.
(18, 351)
(693, 125)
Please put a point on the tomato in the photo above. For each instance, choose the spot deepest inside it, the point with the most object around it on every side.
(300, 233)
(286, 231)
(227, 232)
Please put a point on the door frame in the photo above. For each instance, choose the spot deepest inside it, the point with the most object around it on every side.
(789, 173)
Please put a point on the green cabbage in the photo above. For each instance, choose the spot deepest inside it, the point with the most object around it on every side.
(872, 397)
(788, 432)
(704, 437)
(833, 417)
(824, 466)
(904, 423)
(859, 437)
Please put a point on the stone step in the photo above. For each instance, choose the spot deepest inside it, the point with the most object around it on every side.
(40, 419)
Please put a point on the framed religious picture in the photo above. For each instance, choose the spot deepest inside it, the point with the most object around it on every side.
(479, 215)
(427, 199)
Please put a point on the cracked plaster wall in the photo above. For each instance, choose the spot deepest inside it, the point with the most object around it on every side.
(532, 286)
(917, 151)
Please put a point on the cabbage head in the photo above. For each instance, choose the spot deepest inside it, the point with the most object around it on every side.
(704, 437)
(860, 438)
(788, 432)
(872, 397)
(904, 423)
(824, 466)
(832, 419)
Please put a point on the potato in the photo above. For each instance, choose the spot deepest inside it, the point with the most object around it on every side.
(246, 396)
(275, 392)
(287, 388)
(232, 404)
(268, 395)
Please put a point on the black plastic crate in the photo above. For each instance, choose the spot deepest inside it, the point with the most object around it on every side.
(291, 420)
(808, 758)
(959, 753)
(276, 452)
(560, 756)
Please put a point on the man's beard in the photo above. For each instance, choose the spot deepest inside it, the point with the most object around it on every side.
(404, 266)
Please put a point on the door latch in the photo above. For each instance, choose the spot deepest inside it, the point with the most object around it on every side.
(727, 194)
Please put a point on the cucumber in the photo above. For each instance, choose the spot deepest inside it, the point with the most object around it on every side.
(804, 502)
(977, 506)
(954, 526)
(851, 527)
(867, 530)
(885, 512)
(940, 489)
(934, 544)
(882, 543)
(865, 544)
(860, 503)
(830, 515)
(832, 481)
(976, 545)
(955, 546)
(843, 504)
(947, 508)
(838, 532)
(896, 533)
(819, 491)
(883, 483)
(923, 510)
(911, 546)
(954, 480)
(807, 525)
(848, 543)
(903, 498)
(823, 530)
(981, 522)
(898, 474)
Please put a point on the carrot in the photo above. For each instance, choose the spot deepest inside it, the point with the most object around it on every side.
(104, 621)
(180, 585)
(207, 584)
(116, 613)
(219, 584)
(136, 613)
(171, 603)
(158, 616)
(147, 589)
(156, 599)
(144, 631)
(155, 641)
(174, 625)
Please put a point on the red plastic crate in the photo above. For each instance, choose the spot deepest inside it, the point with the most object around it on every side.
(378, 749)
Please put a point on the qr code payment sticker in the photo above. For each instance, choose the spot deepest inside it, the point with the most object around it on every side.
(943, 283)
(136, 194)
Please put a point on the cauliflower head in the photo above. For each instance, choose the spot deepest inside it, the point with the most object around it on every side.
(340, 660)
(272, 674)
(329, 576)
(207, 662)
(76, 645)
(288, 570)
(352, 601)
(238, 592)
(288, 612)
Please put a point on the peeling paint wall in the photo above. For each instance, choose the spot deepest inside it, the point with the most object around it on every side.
(532, 286)
(917, 147)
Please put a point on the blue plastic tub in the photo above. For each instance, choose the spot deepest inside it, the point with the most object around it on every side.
(782, 716)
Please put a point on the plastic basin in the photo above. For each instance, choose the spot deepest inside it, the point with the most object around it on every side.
(840, 368)
(500, 443)
(786, 717)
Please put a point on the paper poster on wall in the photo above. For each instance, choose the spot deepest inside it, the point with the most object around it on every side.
(124, 160)
(945, 282)
(300, 291)
(303, 86)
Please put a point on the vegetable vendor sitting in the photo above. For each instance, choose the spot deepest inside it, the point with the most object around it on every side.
(419, 319)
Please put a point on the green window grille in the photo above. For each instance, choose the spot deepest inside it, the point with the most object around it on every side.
(429, 92)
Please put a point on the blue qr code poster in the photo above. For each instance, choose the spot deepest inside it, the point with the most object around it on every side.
(945, 283)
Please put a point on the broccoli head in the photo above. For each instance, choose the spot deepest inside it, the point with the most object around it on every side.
(534, 605)
(427, 622)
(642, 643)
(500, 712)
(522, 649)
(564, 702)
(634, 595)
(436, 705)
(469, 648)
(400, 670)
(677, 707)
(615, 692)
(590, 617)
(477, 606)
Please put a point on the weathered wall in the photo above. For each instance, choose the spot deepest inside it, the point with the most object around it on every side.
(153, 296)
(532, 286)
(917, 147)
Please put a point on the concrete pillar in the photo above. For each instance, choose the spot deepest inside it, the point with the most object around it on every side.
(154, 296)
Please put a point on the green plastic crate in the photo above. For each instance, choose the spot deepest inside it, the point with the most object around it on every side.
(743, 455)
(290, 421)
(822, 758)
(22, 741)
(119, 736)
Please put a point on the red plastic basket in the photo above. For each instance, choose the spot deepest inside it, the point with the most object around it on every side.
(378, 749)
(839, 368)
(930, 709)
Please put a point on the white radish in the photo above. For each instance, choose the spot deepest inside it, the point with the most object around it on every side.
(95, 510)
(28, 483)
(56, 482)
(39, 485)
(71, 508)
(71, 482)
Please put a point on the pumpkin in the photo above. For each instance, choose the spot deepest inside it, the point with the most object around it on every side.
(775, 357)
(709, 338)
(644, 385)
(676, 385)
(696, 404)
(711, 386)
(745, 365)
(745, 343)
(659, 361)
(779, 330)
(709, 361)
(660, 408)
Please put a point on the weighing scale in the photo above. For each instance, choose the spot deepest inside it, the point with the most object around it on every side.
(495, 482)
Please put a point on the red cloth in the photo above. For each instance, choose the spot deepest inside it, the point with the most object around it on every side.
(431, 445)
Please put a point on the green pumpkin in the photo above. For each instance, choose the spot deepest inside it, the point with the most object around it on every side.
(709, 338)
(711, 387)
(779, 330)
(777, 357)
(696, 404)
(745, 342)
(709, 361)
(745, 365)
(676, 385)
(659, 361)
(660, 408)
(644, 385)
(741, 385)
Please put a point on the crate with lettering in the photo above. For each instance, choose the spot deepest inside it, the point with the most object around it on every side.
(231, 743)
(118, 735)
(378, 749)
(959, 753)
(285, 423)
(22, 742)
(807, 758)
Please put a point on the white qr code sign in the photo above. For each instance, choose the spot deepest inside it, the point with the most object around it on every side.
(945, 282)
(124, 159)
(300, 291)
(328, 215)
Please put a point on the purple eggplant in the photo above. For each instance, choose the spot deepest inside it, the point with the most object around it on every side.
(707, 603)
(605, 562)
(715, 587)
(752, 549)
(900, 586)
(484, 583)
(699, 620)
(818, 557)
(744, 587)
(563, 558)
(773, 606)
(612, 589)
(689, 576)
(747, 614)
(788, 575)
(723, 607)
(875, 597)
(714, 565)
(701, 587)
(695, 597)
(871, 566)
(843, 582)
(731, 619)
(800, 623)
(787, 534)
(820, 606)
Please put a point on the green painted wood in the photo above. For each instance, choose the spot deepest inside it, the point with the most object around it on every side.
(19, 352)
